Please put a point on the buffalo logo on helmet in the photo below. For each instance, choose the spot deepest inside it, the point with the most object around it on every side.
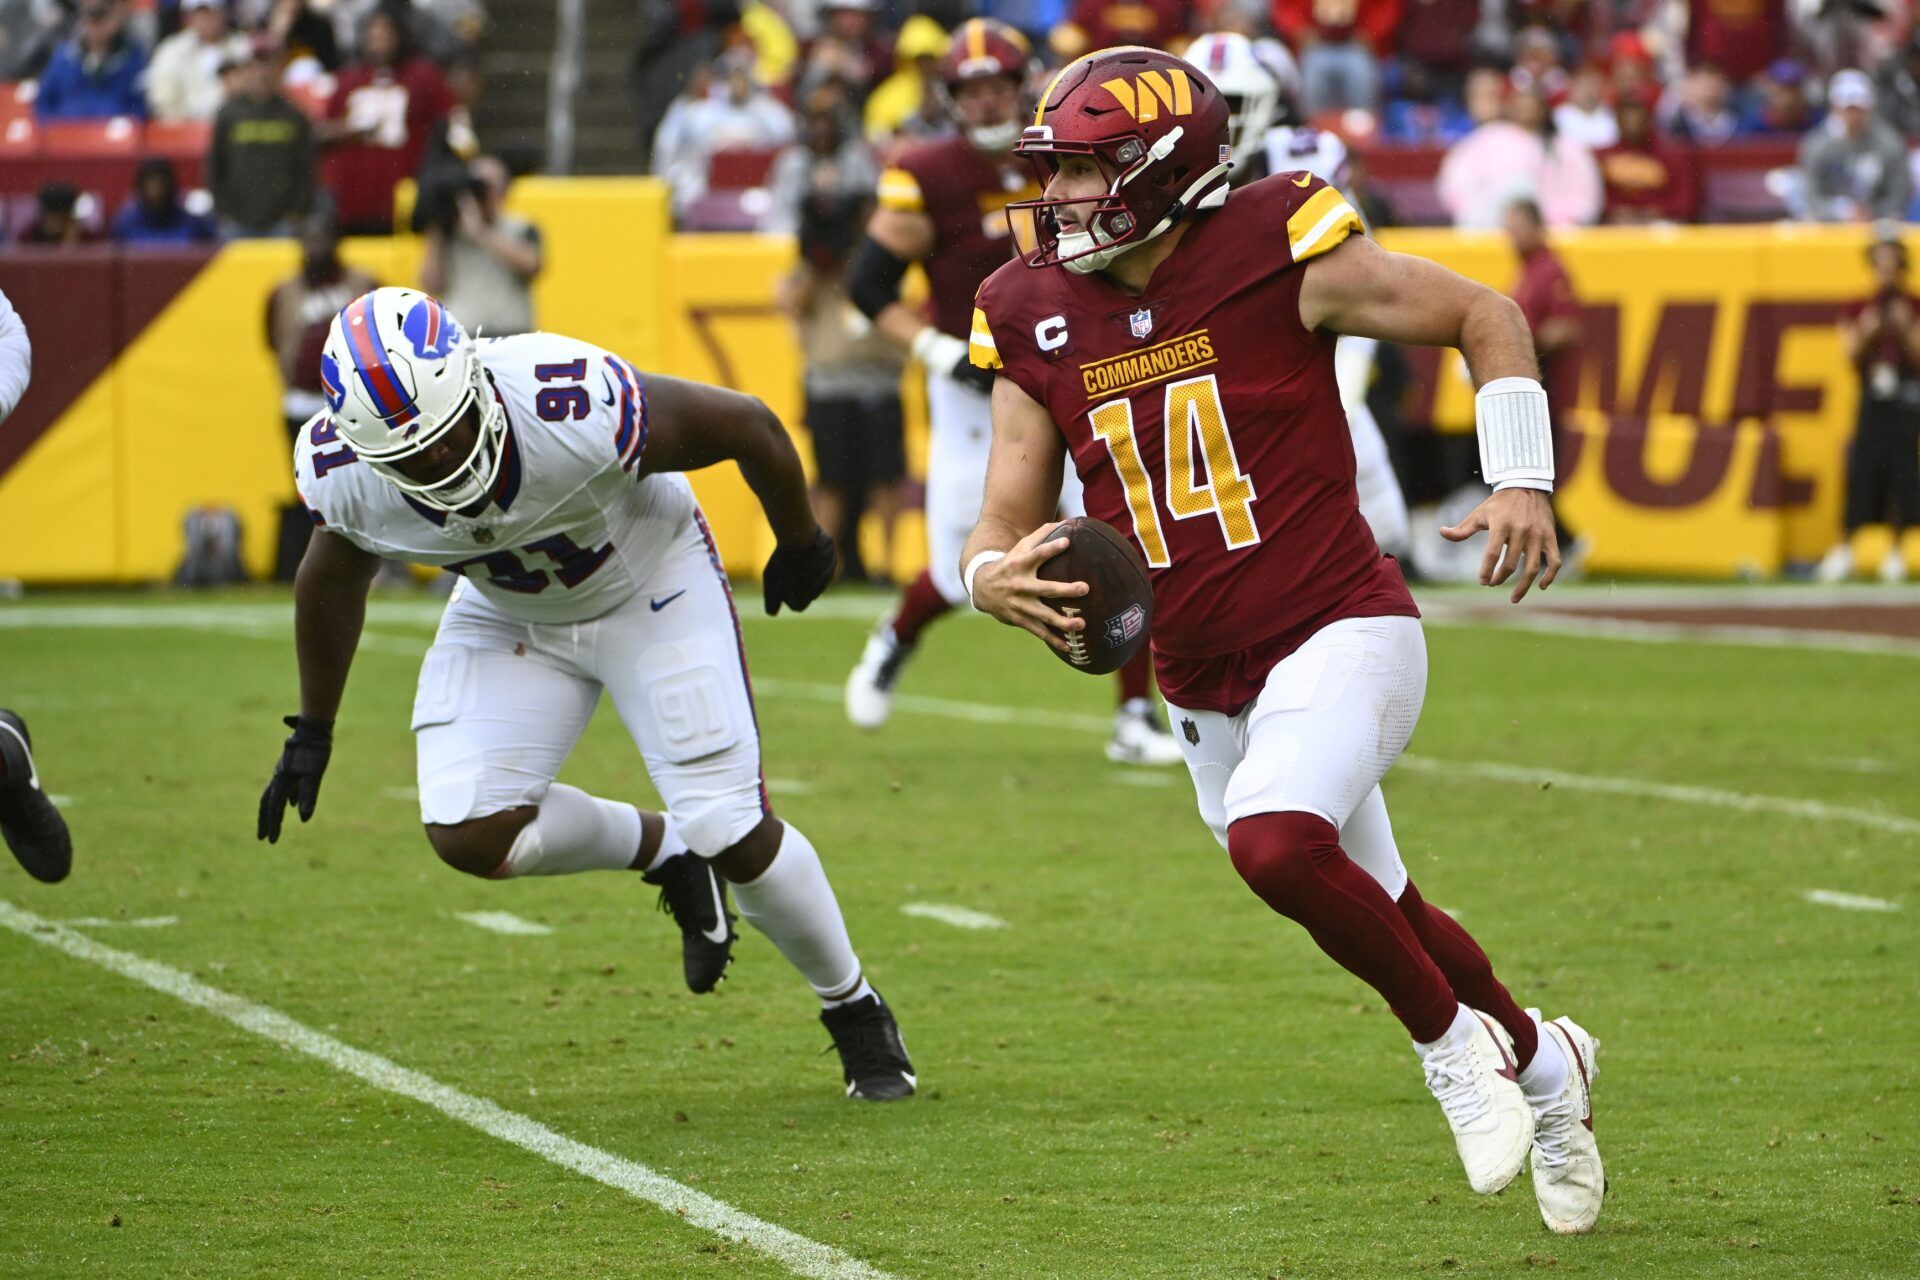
(331, 383)
(431, 331)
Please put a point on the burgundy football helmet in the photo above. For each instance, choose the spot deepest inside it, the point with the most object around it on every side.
(1158, 130)
(982, 48)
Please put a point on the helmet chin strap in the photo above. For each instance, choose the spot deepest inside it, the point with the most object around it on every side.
(1105, 256)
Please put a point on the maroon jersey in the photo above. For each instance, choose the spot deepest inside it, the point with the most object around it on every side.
(1204, 420)
(965, 192)
(1545, 293)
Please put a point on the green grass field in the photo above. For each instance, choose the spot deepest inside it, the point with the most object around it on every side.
(1145, 1075)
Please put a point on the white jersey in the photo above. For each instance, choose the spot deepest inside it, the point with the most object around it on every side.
(1296, 148)
(571, 531)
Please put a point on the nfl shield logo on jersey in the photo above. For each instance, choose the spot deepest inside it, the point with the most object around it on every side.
(1141, 322)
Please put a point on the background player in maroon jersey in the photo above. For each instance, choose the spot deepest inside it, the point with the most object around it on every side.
(942, 204)
(1179, 345)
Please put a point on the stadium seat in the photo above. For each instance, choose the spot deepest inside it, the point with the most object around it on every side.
(16, 100)
(739, 168)
(179, 139)
(725, 211)
(19, 139)
(86, 139)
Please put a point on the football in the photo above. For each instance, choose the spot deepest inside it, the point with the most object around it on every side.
(1118, 605)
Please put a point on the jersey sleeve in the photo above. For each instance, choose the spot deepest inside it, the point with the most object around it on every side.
(982, 351)
(1313, 216)
(321, 462)
(899, 190)
(628, 416)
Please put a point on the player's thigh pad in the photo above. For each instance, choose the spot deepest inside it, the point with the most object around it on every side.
(1213, 745)
(1332, 718)
(960, 437)
(677, 676)
(492, 727)
(1367, 838)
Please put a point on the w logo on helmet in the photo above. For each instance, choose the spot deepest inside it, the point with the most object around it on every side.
(331, 383)
(431, 331)
(1150, 93)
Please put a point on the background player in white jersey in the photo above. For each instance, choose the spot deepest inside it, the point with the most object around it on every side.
(1261, 83)
(546, 471)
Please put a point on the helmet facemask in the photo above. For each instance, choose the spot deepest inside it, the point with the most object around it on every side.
(473, 478)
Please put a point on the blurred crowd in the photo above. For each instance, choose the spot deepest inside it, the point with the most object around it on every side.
(1611, 111)
(253, 116)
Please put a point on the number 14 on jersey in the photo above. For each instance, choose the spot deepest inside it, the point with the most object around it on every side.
(1192, 410)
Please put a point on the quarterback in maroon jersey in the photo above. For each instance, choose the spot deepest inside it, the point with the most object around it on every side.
(943, 204)
(1176, 340)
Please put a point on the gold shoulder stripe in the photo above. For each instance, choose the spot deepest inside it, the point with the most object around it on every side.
(982, 351)
(900, 190)
(1320, 224)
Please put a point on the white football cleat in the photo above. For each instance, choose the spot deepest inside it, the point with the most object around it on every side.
(1141, 736)
(1477, 1084)
(1568, 1179)
(870, 687)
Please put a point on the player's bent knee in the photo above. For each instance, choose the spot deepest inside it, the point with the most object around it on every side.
(711, 825)
(479, 847)
(748, 858)
(1275, 853)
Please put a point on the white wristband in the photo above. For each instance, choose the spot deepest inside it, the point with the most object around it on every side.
(973, 567)
(1516, 434)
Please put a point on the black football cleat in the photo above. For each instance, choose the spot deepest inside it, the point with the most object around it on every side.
(693, 894)
(31, 826)
(872, 1054)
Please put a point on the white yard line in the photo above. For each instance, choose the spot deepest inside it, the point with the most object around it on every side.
(1147, 777)
(796, 1252)
(400, 793)
(503, 922)
(1713, 797)
(788, 787)
(958, 917)
(1848, 901)
(1641, 632)
(105, 922)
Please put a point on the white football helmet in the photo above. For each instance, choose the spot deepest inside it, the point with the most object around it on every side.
(1249, 85)
(398, 372)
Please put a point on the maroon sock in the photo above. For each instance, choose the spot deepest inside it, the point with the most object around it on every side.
(920, 604)
(1468, 971)
(1136, 678)
(1294, 862)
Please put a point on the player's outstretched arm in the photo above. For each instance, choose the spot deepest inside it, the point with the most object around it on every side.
(1003, 555)
(1359, 288)
(691, 425)
(329, 610)
(895, 240)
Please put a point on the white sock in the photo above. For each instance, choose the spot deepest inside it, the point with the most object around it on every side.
(1545, 1078)
(792, 903)
(1457, 1033)
(671, 845)
(860, 992)
(574, 832)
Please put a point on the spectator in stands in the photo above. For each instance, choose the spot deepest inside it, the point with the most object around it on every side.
(156, 215)
(58, 219)
(299, 313)
(1740, 38)
(1420, 113)
(1897, 86)
(852, 372)
(1701, 110)
(183, 79)
(1853, 168)
(1585, 116)
(1552, 310)
(848, 25)
(1439, 38)
(1519, 158)
(1648, 179)
(1781, 106)
(1100, 24)
(305, 39)
(829, 160)
(677, 43)
(483, 263)
(738, 115)
(96, 74)
(260, 166)
(1882, 335)
(906, 105)
(1631, 69)
(448, 29)
(1339, 46)
(29, 33)
(1536, 63)
(383, 108)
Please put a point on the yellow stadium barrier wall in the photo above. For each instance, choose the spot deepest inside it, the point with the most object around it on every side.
(1715, 406)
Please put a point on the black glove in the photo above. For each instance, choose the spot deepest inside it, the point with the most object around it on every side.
(969, 374)
(795, 576)
(296, 779)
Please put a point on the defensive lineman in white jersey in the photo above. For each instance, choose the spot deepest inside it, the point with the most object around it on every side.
(1260, 82)
(546, 472)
